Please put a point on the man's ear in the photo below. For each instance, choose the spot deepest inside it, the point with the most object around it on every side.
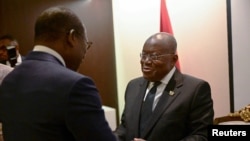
(72, 38)
(175, 58)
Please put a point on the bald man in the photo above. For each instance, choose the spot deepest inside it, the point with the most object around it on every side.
(181, 108)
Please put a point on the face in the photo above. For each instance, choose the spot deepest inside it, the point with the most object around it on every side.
(3, 50)
(79, 51)
(156, 61)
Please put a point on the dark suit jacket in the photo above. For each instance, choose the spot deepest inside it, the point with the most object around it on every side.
(41, 100)
(184, 115)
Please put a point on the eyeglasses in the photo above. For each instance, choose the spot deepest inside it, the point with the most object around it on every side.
(89, 44)
(153, 57)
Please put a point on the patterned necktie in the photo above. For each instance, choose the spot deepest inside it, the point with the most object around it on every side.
(146, 110)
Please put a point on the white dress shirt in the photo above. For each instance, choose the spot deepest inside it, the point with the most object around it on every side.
(160, 88)
(4, 70)
(50, 51)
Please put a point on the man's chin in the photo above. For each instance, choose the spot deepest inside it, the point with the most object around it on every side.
(148, 76)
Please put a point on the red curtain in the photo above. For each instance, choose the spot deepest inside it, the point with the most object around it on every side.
(165, 24)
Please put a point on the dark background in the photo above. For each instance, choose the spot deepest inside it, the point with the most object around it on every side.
(17, 17)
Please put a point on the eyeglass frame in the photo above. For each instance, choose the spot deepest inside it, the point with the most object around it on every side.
(89, 44)
(153, 57)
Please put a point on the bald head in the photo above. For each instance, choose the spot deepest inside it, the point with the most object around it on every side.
(163, 40)
(54, 22)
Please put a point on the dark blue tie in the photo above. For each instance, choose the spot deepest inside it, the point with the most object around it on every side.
(146, 109)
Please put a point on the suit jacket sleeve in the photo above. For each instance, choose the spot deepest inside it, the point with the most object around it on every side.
(201, 113)
(85, 117)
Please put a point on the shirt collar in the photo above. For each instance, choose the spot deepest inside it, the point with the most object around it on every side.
(50, 51)
(167, 77)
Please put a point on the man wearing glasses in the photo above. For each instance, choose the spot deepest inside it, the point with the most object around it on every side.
(165, 104)
(44, 98)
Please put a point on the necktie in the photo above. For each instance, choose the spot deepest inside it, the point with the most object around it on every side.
(146, 110)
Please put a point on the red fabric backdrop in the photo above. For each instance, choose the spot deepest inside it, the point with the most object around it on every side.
(165, 24)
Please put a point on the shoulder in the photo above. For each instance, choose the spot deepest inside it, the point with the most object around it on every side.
(188, 77)
(138, 80)
(5, 69)
(190, 81)
(72, 75)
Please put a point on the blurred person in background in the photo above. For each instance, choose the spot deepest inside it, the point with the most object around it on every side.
(9, 51)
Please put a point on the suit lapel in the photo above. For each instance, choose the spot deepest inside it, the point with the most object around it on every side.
(169, 95)
(138, 103)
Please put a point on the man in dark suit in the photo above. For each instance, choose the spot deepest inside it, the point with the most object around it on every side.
(182, 105)
(44, 98)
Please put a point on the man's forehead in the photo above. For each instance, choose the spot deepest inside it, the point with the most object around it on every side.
(6, 42)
